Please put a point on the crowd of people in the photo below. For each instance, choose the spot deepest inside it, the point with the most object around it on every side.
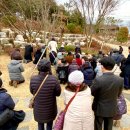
(92, 74)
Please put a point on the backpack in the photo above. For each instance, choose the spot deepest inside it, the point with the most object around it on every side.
(62, 74)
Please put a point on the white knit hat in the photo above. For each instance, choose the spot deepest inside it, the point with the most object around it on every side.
(76, 77)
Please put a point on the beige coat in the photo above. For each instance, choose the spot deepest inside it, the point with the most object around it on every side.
(79, 115)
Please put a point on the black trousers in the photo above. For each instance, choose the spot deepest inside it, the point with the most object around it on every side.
(98, 123)
(48, 127)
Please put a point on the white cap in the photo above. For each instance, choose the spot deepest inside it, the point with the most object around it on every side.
(76, 77)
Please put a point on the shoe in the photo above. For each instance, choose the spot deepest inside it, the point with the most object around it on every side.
(117, 123)
(11, 83)
(15, 84)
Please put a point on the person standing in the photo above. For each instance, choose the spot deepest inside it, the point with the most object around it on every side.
(127, 71)
(106, 89)
(120, 49)
(53, 45)
(45, 106)
(28, 53)
(79, 115)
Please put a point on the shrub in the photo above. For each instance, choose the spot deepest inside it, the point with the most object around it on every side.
(69, 48)
(71, 27)
(122, 35)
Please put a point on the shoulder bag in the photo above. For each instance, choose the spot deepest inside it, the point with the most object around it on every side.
(121, 107)
(31, 103)
(60, 119)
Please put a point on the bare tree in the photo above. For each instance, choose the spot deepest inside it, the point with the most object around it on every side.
(94, 11)
(34, 17)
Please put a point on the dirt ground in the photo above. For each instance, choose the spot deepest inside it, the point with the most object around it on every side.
(21, 94)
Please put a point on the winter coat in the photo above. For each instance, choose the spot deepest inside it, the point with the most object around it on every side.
(88, 75)
(127, 66)
(79, 61)
(69, 58)
(117, 58)
(5, 100)
(37, 56)
(15, 68)
(79, 115)
(45, 106)
(28, 52)
(73, 66)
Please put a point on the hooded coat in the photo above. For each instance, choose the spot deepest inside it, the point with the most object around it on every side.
(15, 68)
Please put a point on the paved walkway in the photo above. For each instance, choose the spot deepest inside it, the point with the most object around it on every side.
(21, 95)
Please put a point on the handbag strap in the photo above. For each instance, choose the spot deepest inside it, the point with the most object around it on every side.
(71, 99)
(40, 86)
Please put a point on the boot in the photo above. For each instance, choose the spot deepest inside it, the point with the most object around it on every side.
(11, 83)
(117, 123)
(15, 84)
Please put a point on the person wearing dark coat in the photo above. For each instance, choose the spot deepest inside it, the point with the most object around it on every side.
(37, 56)
(120, 49)
(6, 101)
(62, 70)
(127, 72)
(93, 62)
(77, 49)
(106, 89)
(45, 105)
(73, 66)
(28, 53)
(88, 73)
(117, 57)
(0, 73)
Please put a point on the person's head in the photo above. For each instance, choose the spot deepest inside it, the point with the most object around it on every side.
(87, 64)
(63, 61)
(85, 58)
(77, 56)
(53, 39)
(107, 64)
(17, 49)
(69, 53)
(44, 66)
(100, 52)
(16, 55)
(1, 82)
(115, 50)
(76, 78)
